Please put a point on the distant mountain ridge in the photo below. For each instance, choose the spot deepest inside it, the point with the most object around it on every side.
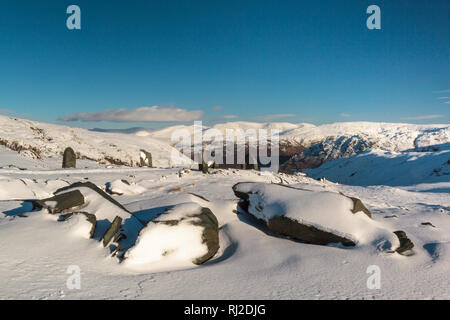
(302, 145)
(305, 145)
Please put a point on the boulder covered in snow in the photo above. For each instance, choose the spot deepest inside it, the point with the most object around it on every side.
(316, 217)
(123, 187)
(184, 235)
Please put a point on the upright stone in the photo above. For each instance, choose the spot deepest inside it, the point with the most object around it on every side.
(203, 167)
(146, 159)
(69, 158)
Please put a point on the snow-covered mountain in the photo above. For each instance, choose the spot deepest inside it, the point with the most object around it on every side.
(383, 137)
(378, 167)
(41, 140)
(250, 260)
(388, 136)
(302, 145)
(308, 146)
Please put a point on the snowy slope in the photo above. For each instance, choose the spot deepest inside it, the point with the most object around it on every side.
(405, 184)
(36, 250)
(377, 167)
(39, 140)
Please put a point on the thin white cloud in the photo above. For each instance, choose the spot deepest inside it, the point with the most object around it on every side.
(5, 111)
(271, 117)
(217, 107)
(225, 117)
(142, 114)
(345, 115)
(424, 117)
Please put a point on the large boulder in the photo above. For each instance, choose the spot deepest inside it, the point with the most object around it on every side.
(316, 217)
(185, 234)
(69, 158)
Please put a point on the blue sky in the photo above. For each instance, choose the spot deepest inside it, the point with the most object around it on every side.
(295, 61)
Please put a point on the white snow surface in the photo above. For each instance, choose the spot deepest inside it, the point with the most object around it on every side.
(36, 250)
(378, 167)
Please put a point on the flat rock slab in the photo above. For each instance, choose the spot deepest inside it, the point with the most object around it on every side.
(61, 203)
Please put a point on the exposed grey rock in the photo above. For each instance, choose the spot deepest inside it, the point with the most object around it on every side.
(69, 158)
(428, 224)
(61, 203)
(92, 186)
(358, 206)
(112, 230)
(405, 243)
(304, 233)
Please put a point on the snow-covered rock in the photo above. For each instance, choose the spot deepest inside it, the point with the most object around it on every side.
(316, 217)
(121, 187)
(185, 235)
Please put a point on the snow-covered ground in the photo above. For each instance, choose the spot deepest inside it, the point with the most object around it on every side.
(37, 250)
(377, 167)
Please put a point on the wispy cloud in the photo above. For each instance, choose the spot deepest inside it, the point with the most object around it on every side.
(443, 98)
(5, 111)
(345, 115)
(271, 117)
(225, 117)
(142, 114)
(424, 117)
(217, 107)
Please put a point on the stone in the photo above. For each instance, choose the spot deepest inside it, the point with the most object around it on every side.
(112, 230)
(61, 203)
(69, 158)
(304, 233)
(405, 243)
(145, 159)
